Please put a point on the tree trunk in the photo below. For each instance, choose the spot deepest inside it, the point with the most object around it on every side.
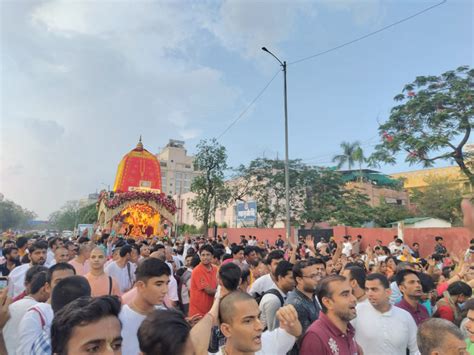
(458, 158)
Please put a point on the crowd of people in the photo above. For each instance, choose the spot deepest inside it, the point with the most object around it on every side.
(115, 295)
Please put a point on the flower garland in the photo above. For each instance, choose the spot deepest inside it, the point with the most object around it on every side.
(121, 198)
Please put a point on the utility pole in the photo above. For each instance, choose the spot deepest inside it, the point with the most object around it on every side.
(287, 175)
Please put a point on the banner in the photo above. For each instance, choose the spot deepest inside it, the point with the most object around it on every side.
(247, 211)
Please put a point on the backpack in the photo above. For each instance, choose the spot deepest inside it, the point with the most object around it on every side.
(272, 291)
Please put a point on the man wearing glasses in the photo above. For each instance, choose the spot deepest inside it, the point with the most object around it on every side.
(307, 274)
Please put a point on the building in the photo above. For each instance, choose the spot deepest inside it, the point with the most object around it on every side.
(89, 200)
(377, 187)
(424, 222)
(177, 168)
(420, 179)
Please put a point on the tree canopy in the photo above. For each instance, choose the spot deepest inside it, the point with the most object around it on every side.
(433, 121)
(13, 215)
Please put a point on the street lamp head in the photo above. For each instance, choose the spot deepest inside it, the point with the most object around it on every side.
(264, 49)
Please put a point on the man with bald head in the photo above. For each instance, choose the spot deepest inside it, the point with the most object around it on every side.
(61, 255)
(241, 325)
(101, 284)
(438, 336)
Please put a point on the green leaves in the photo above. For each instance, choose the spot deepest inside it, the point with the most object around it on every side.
(432, 121)
(13, 215)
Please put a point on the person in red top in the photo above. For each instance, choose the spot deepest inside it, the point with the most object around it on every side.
(410, 286)
(448, 306)
(203, 283)
(332, 333)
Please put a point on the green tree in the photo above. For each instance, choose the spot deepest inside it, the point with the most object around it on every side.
(432, 122)
(387, 213)
(209, 187)
(264, 180)
(351, 153)
(13, 215)
(440, 199)
(353, 209)
(70, 215)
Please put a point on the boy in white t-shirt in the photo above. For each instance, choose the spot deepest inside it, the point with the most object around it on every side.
(152, 277)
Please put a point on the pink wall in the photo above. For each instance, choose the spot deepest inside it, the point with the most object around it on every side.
(456, 239)
(261, 233)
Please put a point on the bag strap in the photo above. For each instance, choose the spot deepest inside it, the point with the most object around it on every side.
(43, 322)
(110, 285)
(277, 293)
(129, 274)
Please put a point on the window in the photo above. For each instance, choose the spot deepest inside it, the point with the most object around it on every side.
(187, 166)
(163, 163)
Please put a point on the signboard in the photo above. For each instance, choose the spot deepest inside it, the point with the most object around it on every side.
(247, 211)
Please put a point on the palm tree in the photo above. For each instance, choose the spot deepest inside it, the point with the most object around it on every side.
(351, 153)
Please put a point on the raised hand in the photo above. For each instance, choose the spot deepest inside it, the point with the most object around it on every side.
(288, 318)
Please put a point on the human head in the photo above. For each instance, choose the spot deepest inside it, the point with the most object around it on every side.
(245, 279)
(54, 243)
(68, 290)
(238, 253)
(415, 246)
(409, 284)
(21, 243)
(37, 280)
(356, 276)
(217, 255)
(59, 271)
(126, 252)
(378, 291)
(273, 258)
(61, 255)
(71, 249)
(229, 276)
(284, 276)
(469, 308)
(335, 296)
(145, 251)
(37, 253)
(30, 273)
(251, 255)
(97, 259)
(240, 323)
(11, 254)
(460, 291)
(206, 252)
(437, 336)
(165, 332)
(307, 274)
(439, 239)
(85, 324)
(153, 276)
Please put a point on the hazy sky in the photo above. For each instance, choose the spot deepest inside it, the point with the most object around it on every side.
(81, 80)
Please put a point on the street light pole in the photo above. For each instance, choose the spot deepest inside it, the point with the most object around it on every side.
(287, 174)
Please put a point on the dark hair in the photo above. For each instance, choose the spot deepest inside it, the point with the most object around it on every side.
(432, 334)
(52, 241)
(381, 277)
(39, 245)
(8, 251)
(126, 249)
(69, 289)
(460, 288)
(237, 249)
(416, 243)
(324, 288)
(248, 250)
(80, 312)
(207, 247)
(427, 282)
(275, 255)
(195, 261)
(357, 273)
(302, 264)
(218, 253)
(283, 268)
(245, 274)
(398, 240)
(469, 305)
(163, 332)
(38, 280)
(58, 267)
(400, 276)
(438, 238)
(230, 275)
(151, 267)
(32, 271)
(21, 242)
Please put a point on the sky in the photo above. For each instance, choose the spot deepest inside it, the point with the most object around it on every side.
(82, 80)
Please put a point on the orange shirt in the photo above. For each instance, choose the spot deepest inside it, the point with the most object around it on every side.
(100, 285)
(199, 301)
(81, 269)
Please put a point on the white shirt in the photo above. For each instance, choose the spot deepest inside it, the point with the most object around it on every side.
(261, 285)
(16, 280)
(276, 342)
(389, 333)
(124, 278)
(131, 321)
(17, 310)
(347, 248)
(50, 258)
(32, 325)
(269, 305)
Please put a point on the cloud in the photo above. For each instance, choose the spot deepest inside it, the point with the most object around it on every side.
(363, 12)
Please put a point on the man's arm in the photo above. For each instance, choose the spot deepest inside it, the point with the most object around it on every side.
(412, 328)
(5, 301)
